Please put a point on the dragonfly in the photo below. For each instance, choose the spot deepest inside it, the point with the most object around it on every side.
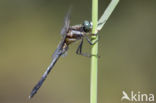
(69, 35)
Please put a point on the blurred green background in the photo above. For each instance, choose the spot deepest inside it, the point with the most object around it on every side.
(29, 34)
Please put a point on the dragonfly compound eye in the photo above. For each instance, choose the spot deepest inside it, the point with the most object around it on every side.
(87, 26)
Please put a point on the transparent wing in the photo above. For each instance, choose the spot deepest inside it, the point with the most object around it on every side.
(65, 28)
(55, 56)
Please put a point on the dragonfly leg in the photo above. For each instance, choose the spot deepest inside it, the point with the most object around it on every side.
(79, 51)
(89, 41)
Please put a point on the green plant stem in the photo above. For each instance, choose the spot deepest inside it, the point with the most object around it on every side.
(94, 51)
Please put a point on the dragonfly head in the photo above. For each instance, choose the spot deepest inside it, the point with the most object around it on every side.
(87, 26)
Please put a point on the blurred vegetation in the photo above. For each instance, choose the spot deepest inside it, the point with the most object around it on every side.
(29, 34)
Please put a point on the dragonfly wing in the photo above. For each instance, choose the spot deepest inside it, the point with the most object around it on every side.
(58, 52)
(65, 28)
